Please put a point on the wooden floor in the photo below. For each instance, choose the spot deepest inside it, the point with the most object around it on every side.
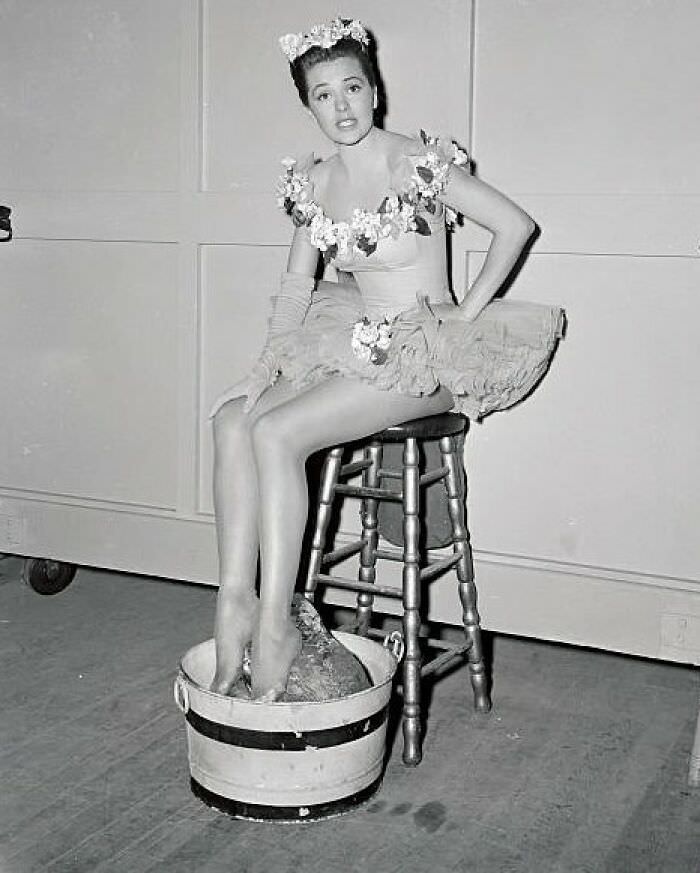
(580, 768)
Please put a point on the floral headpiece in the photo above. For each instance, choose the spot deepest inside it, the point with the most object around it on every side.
(324, 36)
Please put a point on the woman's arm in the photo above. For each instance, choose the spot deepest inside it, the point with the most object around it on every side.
(303, 256)
(511, 228)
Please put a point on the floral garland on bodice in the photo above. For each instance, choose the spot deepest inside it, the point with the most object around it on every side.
(398, 212)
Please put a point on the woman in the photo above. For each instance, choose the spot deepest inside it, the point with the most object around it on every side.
(345, 360)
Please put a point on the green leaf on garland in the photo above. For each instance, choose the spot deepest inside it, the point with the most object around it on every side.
(425, 174)
(422, 226)
(330, 253)
(366, 246)
(424, 137)
(383, 206)
(298, 217)
(430, 205)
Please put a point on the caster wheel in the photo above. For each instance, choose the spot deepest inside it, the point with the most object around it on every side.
(46, 576)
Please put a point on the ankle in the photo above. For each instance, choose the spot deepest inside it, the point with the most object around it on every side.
(233, 598)
(275, 627)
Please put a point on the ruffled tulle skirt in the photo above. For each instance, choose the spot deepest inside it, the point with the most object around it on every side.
(488, 364)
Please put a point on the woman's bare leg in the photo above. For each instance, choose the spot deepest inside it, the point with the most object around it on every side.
(334, 412)
(236, 504)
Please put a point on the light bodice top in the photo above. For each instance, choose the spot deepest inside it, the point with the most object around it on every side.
(398, 253)
(400, 270)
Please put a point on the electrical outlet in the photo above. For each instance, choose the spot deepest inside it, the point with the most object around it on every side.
(681, 631)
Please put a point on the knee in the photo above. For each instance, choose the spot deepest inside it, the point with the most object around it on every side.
(272, 440)
(231, 426)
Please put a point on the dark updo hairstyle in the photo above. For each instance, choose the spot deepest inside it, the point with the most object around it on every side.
(346, 47)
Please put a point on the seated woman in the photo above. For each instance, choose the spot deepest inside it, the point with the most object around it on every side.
(346, 360)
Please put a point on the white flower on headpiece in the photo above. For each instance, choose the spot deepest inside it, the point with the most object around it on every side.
(289, 43)
(323, 35)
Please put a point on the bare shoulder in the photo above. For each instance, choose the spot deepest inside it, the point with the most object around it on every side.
(321, 175)
(399, 144)
(322, 169)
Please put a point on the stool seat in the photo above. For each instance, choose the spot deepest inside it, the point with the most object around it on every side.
(420, 565)
(430, 427)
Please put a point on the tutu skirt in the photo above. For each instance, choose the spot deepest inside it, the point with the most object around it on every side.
(488, 364)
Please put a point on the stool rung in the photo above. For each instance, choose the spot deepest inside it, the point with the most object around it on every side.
(342, 552)
(354, 467)
(440, 660)
(389, 554)
(433, 476)
(434, 568)
(439, 564)
(426, 479)
(450, 651)
(390, 474)
(356, 585)
(366, 491)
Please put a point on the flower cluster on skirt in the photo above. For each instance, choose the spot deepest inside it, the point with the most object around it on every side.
(371, 339)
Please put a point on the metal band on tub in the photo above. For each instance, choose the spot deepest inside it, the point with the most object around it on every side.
(286, 741)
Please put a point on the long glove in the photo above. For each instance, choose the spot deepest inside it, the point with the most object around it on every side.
(289, 309)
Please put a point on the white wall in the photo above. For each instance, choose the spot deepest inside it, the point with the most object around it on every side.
(585, 114)
(141, 166)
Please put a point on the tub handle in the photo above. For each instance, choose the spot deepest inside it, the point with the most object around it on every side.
(395, 644)
(181, 695)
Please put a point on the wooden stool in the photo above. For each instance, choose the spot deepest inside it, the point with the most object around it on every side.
(417, 568)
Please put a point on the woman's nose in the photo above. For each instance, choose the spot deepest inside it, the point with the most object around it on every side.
(341, 102)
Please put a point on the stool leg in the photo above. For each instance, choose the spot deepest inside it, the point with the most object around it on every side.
(370, 537)
(411, 605)
(329, 479)
(465, 576)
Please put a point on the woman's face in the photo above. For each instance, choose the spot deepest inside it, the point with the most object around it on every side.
(341, 99)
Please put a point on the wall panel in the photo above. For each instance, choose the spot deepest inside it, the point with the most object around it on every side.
(588, 97)
(95, 100)
(86, 342)
(595, 468)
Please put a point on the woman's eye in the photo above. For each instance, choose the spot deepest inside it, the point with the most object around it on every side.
(323, 95)
(353, 89)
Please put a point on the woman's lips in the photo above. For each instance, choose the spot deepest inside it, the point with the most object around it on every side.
(346, 122)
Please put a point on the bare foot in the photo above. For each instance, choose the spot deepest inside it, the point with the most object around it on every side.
(236, 623)
(271, 659)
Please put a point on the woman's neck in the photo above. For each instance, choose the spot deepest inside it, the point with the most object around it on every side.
(365, 155)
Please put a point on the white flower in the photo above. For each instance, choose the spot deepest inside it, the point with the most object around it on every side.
(384, 339)
(324, 35)
(368, 332)
(289, 43)
(363, 352)
(343, 235)
(460, 156)
(370, 339)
